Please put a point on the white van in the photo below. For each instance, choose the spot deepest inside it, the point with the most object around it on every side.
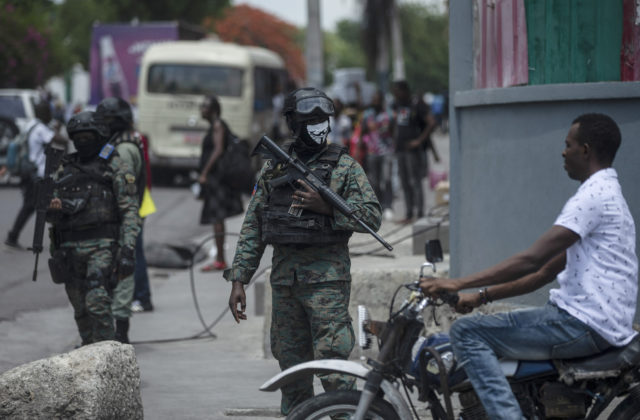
(173, 81)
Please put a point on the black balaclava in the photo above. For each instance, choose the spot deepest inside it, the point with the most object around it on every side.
(89, 148)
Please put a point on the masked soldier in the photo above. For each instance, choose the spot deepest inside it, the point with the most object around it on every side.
(94, 217)
(116, 112)
(310, 276)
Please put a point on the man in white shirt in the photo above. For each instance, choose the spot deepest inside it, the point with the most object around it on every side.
(591, 250)
(40, 136)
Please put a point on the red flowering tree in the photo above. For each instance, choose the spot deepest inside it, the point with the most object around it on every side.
(27, 57)
(246, 25)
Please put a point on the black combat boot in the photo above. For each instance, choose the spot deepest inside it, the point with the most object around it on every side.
(122, 331)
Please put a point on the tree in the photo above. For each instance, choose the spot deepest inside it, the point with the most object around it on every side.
(246, 25)
(28, 52)
(426, 47)
(425, 42)
(342, 48)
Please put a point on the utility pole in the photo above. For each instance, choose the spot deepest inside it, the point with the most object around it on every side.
(396, 43)
(313, 54)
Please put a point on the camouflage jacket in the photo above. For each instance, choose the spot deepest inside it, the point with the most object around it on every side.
(310, 264)
(123, 185)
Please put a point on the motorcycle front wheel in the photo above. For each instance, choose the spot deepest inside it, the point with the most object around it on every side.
(340, 404)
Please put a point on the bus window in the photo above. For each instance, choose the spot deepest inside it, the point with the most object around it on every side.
(195, 80)
(267, 83)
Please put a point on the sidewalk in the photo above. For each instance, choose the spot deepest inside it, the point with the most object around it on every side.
(202, 378)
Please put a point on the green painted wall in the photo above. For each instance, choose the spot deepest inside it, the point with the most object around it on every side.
(574, 41)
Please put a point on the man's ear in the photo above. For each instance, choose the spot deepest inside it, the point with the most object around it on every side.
(587, 150)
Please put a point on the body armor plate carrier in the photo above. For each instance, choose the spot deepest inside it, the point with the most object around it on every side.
(88, 202)
(279, 227)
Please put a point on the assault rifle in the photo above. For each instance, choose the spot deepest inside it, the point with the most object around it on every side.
(297, 170)
(44, 193)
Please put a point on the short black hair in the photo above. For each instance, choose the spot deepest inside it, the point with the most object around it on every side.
(601, 132)
(214, 104)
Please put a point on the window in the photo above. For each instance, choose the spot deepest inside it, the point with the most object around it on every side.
(12, 106)
(195, 80)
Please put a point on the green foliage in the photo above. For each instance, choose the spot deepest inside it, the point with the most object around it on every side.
(75, 23)
(342, 49)
(191, 11)
(425, 36)
(43, 38)
(426, 47)
(28, 54)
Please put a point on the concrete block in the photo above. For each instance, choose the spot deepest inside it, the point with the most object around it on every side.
(98, 381)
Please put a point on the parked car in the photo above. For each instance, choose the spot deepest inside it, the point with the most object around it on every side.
(18, 104)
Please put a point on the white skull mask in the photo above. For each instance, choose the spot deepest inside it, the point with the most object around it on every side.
(318, 132)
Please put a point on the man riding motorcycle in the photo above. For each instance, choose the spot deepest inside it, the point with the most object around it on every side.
(590, 248)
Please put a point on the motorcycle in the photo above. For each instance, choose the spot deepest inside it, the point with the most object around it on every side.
(566, 389)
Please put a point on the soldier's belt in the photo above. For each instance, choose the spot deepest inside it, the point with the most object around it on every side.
(106, 231)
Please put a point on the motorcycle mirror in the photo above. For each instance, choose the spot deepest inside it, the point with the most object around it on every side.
(433, 251)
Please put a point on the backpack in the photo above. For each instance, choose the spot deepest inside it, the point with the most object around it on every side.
(18, 162)
(235, 166)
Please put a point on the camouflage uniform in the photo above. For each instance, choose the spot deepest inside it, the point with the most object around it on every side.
(131, 154)
(310, 283)
(91, 261)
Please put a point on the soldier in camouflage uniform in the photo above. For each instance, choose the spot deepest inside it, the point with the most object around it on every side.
(94, 208)
(118, 115)
(310, 276)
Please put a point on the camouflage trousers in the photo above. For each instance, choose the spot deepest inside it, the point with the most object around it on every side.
(87, 289)
(122, 298)
(309, 322)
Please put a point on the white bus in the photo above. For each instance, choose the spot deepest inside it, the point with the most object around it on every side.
(173, 81)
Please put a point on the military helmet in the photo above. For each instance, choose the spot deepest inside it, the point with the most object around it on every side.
(87, 121)
(306, 103)
(117, 109)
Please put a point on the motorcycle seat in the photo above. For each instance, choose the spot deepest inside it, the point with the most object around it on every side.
(606, 364)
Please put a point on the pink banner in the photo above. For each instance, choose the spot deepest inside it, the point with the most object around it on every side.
(630, 52)
(500, 49)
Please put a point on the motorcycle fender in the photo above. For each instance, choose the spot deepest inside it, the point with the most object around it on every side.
(337, 366)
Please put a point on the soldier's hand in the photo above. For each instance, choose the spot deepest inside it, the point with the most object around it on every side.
(308, 198)
(126, 262)
(238, 296)
(55, 204)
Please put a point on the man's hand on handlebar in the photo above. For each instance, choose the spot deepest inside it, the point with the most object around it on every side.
(441, 289)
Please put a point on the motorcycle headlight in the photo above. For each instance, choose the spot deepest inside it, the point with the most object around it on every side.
(364, 337)
(447, 359)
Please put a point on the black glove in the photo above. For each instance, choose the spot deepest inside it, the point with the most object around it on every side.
(126, 262)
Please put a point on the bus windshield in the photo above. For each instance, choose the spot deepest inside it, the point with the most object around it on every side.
(195, 80)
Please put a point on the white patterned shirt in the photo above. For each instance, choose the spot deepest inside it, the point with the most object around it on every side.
(599, 284)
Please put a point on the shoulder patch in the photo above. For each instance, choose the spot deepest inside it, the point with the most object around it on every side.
(106, 151)
(130, 178)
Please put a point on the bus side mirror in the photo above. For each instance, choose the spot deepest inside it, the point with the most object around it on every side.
(433, 251)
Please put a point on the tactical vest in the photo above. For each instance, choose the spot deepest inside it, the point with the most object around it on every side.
(89, 205)
(141, 178)
(279, 227)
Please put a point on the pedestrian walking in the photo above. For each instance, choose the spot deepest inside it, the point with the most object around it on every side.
(220, 200)
(39, 137)
(310, 276)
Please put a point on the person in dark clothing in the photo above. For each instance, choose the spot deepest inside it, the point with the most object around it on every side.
(40, 136)
(413, 126)
(220, 200)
